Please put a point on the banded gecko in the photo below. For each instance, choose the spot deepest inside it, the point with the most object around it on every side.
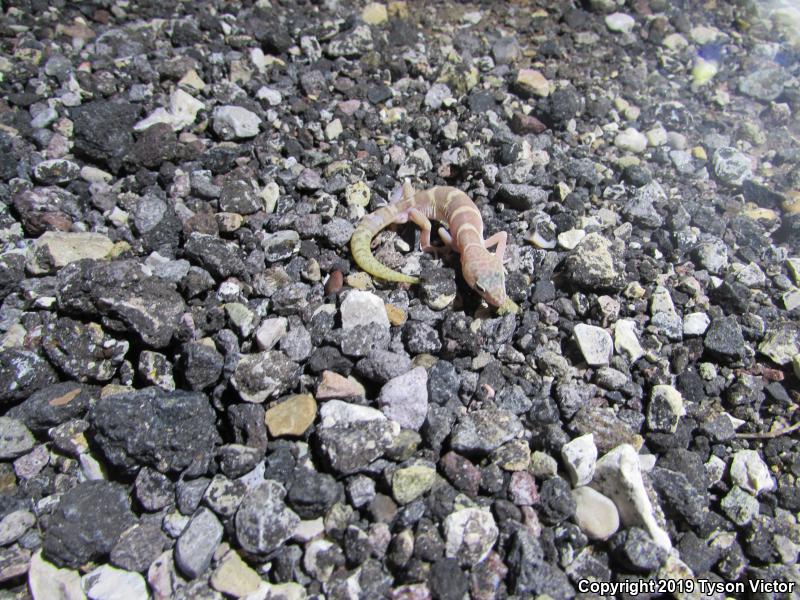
(483, 270)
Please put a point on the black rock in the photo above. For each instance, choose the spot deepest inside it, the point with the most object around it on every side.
(54, 405)
(680, 497)
(83, 351)
(154, 490)
(88, 521)
(220, 258)
(201, 365)
(156, 223)
(104, 131)
(421, 338)
(125, 296)
(724, 339)
(139, 547)
(636, 550)
(529, 574)
(447, 581)
(12, 271)
(555, 500)
(697, 555)
(172, 432)
(311, 494)
(156, 144)
(382, 365)
(443, 383)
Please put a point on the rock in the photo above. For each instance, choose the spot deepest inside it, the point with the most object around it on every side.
(411, 482)
(626, 341)
(264, 375)
(360, 308)
(332, 385)
(87, 523)
(636, 551)
(618, 476)
(521, 197)
(470, 534)
(312, 494)
(235, 122)
(170, 431)
(620, 22)
(631, 140)
(664, 409)
(482, 431)
(103, 131)
(56, 171)
(139, 547)
(15, 438)
(712, 255)
(14, 525)
(234, 577)
(181, 113)
(594, 264)
(291, 417)
(22, 373)
(350, 438)
(731, 166)
(764, 84)
(695, 324)
(724, 338)
(198, 542)
(641, 208)
(595, 514)
(739, 506)
(608, 429)
(750, 472)
(781, 342)
(55, 249)
(404, 399)
(375, 13)
(107, 583)
(530, 574)
(532, 82)
(594, 343)
(47, 581)
(83, 351)
(580, 458)
(263, 522)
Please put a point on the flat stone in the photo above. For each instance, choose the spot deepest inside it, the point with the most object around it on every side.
(665, 409)
(55, 249)
(332, 385)
(14, 562)
(14, 525)
(620, 22)
(695, 324)
(626, 341)
(781, 342)
(292, 416)
(15, 438)
(375, 13)
(631, 140)
(235, 122)
(263, 521)
(533, 82)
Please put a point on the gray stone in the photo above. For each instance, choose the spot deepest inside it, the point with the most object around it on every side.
(198, 542)
(263, 521)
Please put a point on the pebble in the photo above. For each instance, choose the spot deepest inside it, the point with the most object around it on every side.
(263, 521)
(631, 140)
(108, 583)
(292, 416)
(264, 375)
(626, 340)
(197, 544)
(695, 324)
(594, 264)
(533, 82)
(595, 514)
(14, 525)
(618, 476)
(483, 431)
(404, 398)
(750, 472)
(46, 581)
(781, 342)
(620, 22)
(234, 577)
(335, 386)
(470, 534)
(580, 458)
(740, 506)
(594, 343)
(235, 122)
(731, 166)
(665, 409)
(763, 84)
(411, 482)
(361, 308)
(15, 438)
(375, 13)
(56, 249)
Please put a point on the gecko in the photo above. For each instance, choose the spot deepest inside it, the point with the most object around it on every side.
(483, 270)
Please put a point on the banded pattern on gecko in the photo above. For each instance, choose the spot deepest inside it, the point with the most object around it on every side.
(483, 270)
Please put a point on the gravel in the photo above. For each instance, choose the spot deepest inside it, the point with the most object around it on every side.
(202, 394)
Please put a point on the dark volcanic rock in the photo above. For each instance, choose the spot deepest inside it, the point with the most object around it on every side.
(172, 432)
(104, 131)
(87, 523)
(54, 404)
(22, 373)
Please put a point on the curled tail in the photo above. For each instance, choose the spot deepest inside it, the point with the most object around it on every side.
(362, 253)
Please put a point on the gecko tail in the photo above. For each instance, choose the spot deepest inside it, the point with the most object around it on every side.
(362, 253)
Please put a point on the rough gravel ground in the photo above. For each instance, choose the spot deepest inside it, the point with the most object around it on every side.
(203, 397)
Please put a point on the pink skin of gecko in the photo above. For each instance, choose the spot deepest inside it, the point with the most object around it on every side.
(483, 270)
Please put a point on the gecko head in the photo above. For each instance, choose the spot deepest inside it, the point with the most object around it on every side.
(483, 272)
